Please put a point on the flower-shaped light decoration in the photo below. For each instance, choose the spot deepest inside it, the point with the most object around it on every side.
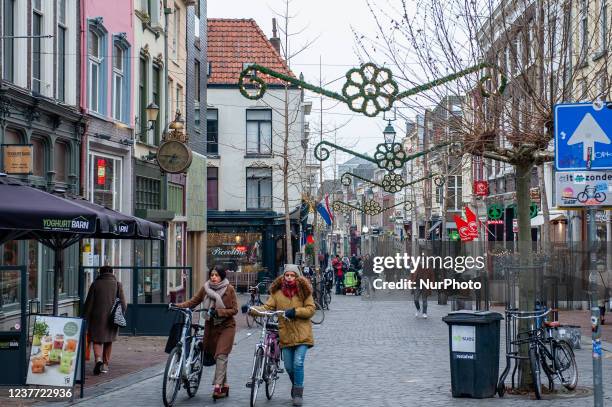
(372, 207)
(392, 182)
(369, 89)
(390, 156)
(340, 207)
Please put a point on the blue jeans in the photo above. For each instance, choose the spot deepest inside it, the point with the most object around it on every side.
(294, 363)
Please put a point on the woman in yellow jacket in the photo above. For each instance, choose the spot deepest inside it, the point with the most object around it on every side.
(292, 293)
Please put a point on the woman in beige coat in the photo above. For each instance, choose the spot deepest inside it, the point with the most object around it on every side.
(219, 296)
(292, 293)
(98, 305)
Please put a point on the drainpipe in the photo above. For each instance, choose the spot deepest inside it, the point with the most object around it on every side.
(83, 98)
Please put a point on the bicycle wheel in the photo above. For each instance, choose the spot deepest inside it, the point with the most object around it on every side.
(257, 373)
(271, 378)
(328, 297)
(319, 315)
(197, 367)
(172, 379)
(566, 363)
(535, 372)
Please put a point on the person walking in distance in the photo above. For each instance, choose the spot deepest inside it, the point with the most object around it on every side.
(292, 293)
(97, 313)
(422, 291)
(337, 265)
(219, 297)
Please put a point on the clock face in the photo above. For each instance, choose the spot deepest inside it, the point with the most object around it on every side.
(173, 157)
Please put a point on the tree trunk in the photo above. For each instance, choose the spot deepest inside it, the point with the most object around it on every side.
(527, 276)
(288, 244)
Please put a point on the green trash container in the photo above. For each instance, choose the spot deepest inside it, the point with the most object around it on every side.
(474, 352)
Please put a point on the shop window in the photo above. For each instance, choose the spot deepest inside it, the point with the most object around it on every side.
(239, 251)
(60, 160)
(259, 188)
(9, 280)
(105, 181)
(212, 188)
(176, 199)
(212, 131)
(259, 131)
(148, 192)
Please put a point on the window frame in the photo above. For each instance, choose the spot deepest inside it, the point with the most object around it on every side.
(259, 179)
(98, 61)
(210, 133)
(603, 26)
(259, 134)
(156, 87)
(36, 29)
(215, 205)
(143, 92)
(8, 58)
(120, 43)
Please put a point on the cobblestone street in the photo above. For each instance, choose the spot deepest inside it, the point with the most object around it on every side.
(366, 354)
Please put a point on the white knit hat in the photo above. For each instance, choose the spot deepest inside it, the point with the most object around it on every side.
(293, 267)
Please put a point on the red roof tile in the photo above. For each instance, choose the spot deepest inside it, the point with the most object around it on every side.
(233, 42)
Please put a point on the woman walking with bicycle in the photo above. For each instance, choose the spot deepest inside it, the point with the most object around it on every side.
(219, 297)
(292, 293)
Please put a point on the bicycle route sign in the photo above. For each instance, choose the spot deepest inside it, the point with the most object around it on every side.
(583, 136)
(583, 188)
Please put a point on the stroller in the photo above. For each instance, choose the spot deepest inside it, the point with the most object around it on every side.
(351, 282)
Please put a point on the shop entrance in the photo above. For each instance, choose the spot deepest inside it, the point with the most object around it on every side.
(13, 324)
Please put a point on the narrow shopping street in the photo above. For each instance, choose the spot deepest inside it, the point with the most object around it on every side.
(367, 353)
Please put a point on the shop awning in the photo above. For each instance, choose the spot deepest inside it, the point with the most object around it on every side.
(554, 215)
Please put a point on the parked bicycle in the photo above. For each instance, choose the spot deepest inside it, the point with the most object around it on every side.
(254, 301)
(554, 357)
(186, 361)
(267, 355)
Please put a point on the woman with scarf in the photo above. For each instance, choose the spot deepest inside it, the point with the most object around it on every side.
(218, 296)
(292, 293)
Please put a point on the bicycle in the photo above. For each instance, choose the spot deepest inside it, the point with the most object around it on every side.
(555, 357)
(254, 301)
(591, 192)
(186, 361)
(267, 356)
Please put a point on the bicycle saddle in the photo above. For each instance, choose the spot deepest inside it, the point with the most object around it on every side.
(553, 324)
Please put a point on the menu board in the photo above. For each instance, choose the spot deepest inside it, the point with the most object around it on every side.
(55, 351)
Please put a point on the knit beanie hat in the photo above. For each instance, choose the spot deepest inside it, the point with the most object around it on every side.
(293, 267)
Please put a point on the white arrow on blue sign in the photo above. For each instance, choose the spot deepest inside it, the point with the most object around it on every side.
(583, 133)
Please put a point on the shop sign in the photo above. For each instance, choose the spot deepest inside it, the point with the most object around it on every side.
(495, 222)
(583, 188)
(17, 158)
(495, 211)
(481, 188)
(218, 251)
(534, 193)
(55, 352)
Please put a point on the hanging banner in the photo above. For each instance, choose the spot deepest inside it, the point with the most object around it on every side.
(481, 188)
(468, 228)
(17, 158)
(55, 355)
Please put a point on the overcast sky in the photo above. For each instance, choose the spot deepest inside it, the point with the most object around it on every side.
(328, 22)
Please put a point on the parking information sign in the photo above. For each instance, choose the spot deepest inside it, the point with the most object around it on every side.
(583, 134)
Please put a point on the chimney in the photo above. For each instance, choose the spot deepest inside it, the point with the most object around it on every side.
(274, 40)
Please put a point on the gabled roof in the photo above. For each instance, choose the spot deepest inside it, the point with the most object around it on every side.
(233, 42)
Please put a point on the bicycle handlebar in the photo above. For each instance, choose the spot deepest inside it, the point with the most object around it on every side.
(267, 313)
(514, 314)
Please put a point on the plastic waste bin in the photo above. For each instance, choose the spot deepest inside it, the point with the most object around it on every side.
(474, 352)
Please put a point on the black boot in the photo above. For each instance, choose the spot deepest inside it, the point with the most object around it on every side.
(297, 396)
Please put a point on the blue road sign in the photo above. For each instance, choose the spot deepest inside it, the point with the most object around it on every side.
(583, 134)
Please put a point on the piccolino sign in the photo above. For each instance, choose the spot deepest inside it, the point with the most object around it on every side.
(79, 224)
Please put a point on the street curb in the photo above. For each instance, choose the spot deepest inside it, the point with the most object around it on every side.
(112, 385)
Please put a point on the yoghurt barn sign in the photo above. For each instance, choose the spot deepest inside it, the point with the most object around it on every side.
(79, 224)
(17, 158)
